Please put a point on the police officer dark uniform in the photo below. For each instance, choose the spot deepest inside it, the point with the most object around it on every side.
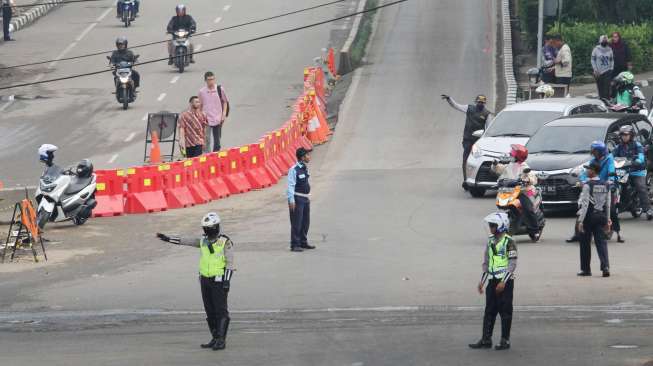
(8, 6)
(476, 118)
(499, 264)
(299, 202)
(216, 269)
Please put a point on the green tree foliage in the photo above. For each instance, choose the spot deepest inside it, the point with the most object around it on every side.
(607, 11)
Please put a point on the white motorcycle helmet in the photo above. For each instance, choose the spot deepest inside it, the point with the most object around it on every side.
(500, 219)
(211, 224)
(46, 152)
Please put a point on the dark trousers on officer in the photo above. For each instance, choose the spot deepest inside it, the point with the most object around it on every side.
(500, 304)
(467, 149)
(6, 20)
(591, 230)
(300, 220)
(614, 211)
(215, 305)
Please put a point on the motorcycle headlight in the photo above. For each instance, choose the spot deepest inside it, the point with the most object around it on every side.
(476, 151)
(124, 79)
(47, 187)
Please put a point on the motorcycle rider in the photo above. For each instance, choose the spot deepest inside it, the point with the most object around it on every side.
(122, 54)
(177, 22)
(634, 151)
(215, 269)
(137, 4)
(627, 93)
(605, 160)
(477, 117)
(518, 169)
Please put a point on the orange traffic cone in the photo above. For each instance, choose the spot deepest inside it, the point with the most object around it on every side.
(323, 128)
(155, 150)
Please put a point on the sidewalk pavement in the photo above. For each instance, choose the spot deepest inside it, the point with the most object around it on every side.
(28, 15)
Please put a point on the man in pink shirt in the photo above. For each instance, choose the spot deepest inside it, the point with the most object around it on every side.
(216, 107)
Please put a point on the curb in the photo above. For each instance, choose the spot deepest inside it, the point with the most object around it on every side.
(508, 70)
(344, 64)
(31, 15)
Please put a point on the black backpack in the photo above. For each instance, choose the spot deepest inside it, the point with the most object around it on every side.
(226, 112)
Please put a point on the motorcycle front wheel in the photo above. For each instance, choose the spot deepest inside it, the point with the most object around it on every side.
(42, 218)
(181, 59)
(124, 97)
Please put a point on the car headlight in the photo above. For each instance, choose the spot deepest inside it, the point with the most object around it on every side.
(476, 151)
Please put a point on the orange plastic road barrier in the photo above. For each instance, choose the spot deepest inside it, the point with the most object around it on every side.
(213, 180)
(331, 62)
(266, 144)
(28, 217)
(155, 149)
(145, 191)
(259, 160)
(288, 157)
(109, 193)
(252, 165)
(194, 181)
(235, 177)
(175, 189)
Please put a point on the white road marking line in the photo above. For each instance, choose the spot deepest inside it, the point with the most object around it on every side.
(145, 117)
(161, 97)
(113, 158)
(85, 32)
(130, 137)
(174, 79)
(62, 54)
(226, 8)
(197, 48)
(9, 102)
(38, 78)
(217, 20)
(99, 19)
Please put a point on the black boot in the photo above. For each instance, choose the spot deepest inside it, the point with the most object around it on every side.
(170, 62)
(221, 339)
(486, 339)
(214, 334)
(483, 343)
(619, 238)
(503, 345)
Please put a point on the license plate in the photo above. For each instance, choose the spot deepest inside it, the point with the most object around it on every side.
(549, 189)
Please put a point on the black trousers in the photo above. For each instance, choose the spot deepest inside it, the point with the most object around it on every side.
(603, 84)
(639, 183)
(300, 220)
(215, 302)
(193, 151)
(529, 214)
(6, 20)
(467, 149)
(593, 231)
(498, 304)
(614, 212)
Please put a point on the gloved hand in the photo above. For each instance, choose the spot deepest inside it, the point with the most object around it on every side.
(226, 285)
(445, 97)
(163, 237)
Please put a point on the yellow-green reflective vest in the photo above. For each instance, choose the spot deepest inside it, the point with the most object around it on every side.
(212, 265)
(498, 260)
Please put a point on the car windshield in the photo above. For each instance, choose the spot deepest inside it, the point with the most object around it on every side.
(565, 139)
(519, 123)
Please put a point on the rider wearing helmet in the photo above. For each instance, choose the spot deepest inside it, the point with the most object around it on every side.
(122, 54)
(216, 268)
(137, 5)
(626, 92)
(518, 169)
(499, 265)
(634, 151)
(180, 21)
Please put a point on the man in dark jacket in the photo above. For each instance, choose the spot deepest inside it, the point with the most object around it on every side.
(622, 56)
(122, 54)
(476, 118)
(177, 22)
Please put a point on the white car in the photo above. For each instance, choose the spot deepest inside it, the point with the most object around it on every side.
(515, 125)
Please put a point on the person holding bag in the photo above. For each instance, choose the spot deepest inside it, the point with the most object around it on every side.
(593, 220)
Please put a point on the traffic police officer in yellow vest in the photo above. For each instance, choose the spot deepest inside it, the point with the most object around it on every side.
(216, 268)
(499, 264)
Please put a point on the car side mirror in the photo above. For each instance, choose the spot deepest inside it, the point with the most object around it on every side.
(478, 133)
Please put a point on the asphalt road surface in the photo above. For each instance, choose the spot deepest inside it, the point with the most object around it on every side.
(399, 248)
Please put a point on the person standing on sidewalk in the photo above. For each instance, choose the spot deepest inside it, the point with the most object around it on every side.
(622, 55)
(499, 265)
(216, 268)
(477, 117)
(593, 221)
(8, 7)
(563, 62)
(192, 126)
(216, 107)
(603, 64)
(549, 54)
(299, 202)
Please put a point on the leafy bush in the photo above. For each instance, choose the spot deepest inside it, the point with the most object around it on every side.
(583, 37)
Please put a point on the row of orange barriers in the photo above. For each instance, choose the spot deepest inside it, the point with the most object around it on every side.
(217, 175)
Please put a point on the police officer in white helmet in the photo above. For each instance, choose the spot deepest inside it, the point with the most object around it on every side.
(215, 269)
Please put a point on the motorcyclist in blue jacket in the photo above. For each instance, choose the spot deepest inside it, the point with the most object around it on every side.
(634, 152)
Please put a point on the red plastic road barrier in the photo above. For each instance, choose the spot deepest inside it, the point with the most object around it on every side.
(194, 181)
(145, 191)
(109, 193)
(213, 181)
(235, 177)
(175, 189)
(260, 162)
(282, 150)
(298, 131)
(272, 157)
(252, 166)
(270, 166)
